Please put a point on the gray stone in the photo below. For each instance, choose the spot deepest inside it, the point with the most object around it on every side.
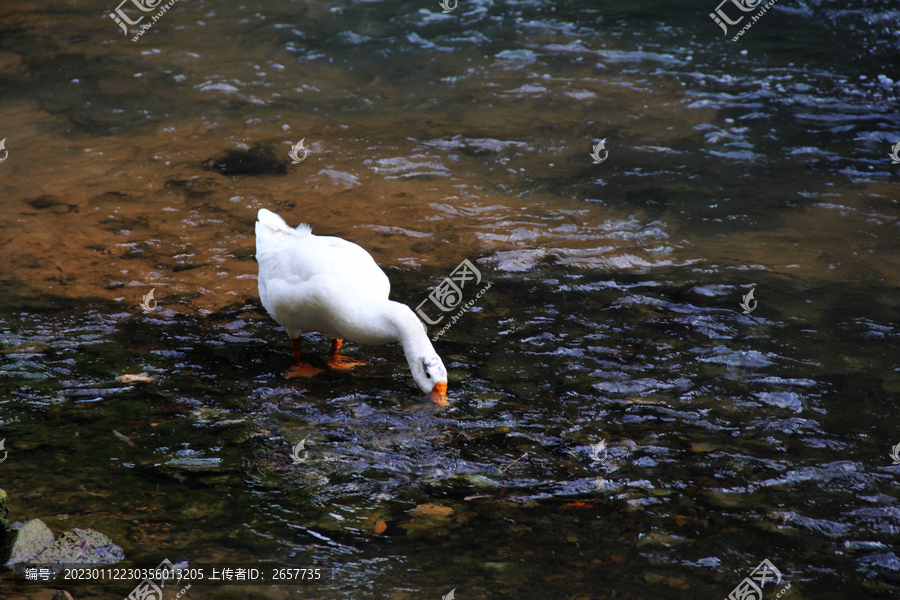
(81, 546)
(33, 537)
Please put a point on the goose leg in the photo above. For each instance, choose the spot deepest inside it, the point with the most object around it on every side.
(300, 368)
(338, 362)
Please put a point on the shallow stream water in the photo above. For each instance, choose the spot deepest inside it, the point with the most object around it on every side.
(614, 311)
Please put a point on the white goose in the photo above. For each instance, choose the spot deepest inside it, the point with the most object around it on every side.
(310, 283)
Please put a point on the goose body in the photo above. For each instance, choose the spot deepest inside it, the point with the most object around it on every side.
(323, 284)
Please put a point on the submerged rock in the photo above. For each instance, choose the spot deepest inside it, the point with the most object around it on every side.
(35, 543)
(432, 509)
(29, 348)
(258, 160)
(479, 481)
(32, 538)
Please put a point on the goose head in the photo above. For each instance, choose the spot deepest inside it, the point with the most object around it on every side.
(426, 366)
(430, 375)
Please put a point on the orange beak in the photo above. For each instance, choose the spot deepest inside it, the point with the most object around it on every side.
(439, 394)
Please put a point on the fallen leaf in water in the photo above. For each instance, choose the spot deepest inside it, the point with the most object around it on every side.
(380, 527)
(433, 509)
(135, 378)
(123, 437)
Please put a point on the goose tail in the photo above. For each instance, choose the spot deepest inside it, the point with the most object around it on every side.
(269, 223)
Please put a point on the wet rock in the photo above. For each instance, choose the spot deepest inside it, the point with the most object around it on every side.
(29, 348)
(428, 520)
(4, 510)
(479, 482)
(45, 201)
(702, 447)
(195, 188)
(259, 160)
(432, 509)
(197, 512)
(195, 463)
(657, 538)
(81, 546)
(788, 400)
(129, 378)
(32, 538)
(670, 581)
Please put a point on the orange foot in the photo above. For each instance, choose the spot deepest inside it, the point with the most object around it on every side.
(300, 368)
(341, 363)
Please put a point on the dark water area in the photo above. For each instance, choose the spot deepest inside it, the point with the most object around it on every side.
(614, 312)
